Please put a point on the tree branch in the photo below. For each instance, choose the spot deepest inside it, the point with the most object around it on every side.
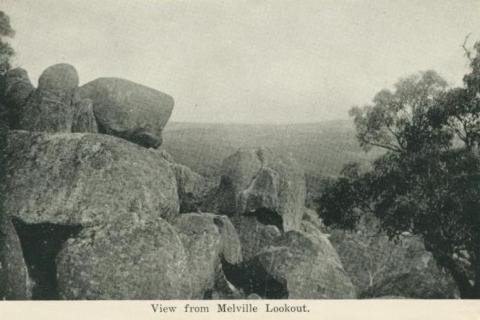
(468, 53)
(384, 146)
(397, 137)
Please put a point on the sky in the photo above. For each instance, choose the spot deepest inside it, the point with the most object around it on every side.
(246, 61)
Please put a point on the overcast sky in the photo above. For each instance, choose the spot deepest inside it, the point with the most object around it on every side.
(248, 61)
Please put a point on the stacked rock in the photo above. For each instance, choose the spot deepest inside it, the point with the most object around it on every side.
(286, 255)
(129, 110)
(121, 197)
(101, 213)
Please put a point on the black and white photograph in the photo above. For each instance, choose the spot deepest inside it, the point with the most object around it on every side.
(250, 150)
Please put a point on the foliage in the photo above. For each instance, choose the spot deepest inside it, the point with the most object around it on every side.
(6, 52)
(428, 181)
(396, 119)
(3, 218)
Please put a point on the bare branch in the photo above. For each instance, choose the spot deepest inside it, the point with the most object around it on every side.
(397, 137)
(468, 53)
(384, 146)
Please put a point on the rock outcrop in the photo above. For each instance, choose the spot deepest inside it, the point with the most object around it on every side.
(286, 254)
(259, 183)
(17, 91)
(306, 265)
(311, 217)
(191, 188)
(50, 107)
(379, 266)
(102, 200)
(207, 239)
(129, 110)
(231, 248)
(130, 258)
(53, 107)
(99, 213)
(74, 178)
(83, 117)
(414, 285)
(15, 284)
(254, 235)
(59, 77)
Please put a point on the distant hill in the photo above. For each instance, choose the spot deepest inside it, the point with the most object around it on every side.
(321, 148)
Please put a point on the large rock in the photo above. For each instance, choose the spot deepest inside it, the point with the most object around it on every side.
(49, 111)
(84, 118)
(85, 179)
(50, 108)
(207, 239)
(420, 285)
(260, 183)
(231, 248)
(15, 284)
(379, 266)
(306, 266)
(131, 258)
(312, 217)
(129, 110)
(191, 187)
(59, 77)
(18, 89)
(254, 236)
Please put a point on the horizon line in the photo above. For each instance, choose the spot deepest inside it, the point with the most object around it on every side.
(258, 123)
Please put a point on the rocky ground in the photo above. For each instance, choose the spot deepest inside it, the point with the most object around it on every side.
(99, 210)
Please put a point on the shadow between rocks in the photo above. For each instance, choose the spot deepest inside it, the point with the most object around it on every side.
(251, 277)
(41, 243)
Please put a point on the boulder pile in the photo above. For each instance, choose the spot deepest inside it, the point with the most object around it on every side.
(99, 211)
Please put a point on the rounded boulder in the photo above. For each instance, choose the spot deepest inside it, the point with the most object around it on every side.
(207, 239)
(129, 110)
(258, 182)
(60, 76)
(84, 179)
(131, 258)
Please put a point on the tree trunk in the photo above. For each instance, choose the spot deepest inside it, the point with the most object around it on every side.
(460, 278)
(476, 268)
(474, 208)
(459, 275)
(472, 212)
